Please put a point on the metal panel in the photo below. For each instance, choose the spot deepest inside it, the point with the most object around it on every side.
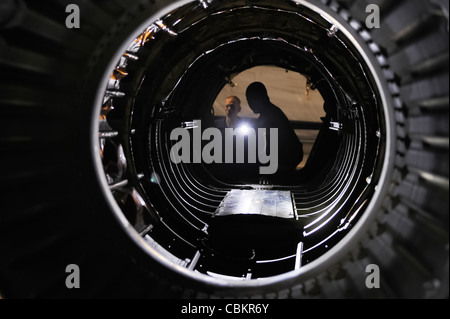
(257, 202)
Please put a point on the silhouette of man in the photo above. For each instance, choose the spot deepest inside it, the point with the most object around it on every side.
(290, 149)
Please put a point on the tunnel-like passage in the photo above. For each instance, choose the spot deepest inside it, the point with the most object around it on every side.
(169, 78)
(86, 117)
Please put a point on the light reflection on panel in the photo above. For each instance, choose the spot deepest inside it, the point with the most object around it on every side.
(257, 202)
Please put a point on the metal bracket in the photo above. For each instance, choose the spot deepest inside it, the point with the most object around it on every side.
(336, 126)
(160, 24)
(205, 3)
(332, 31)
(189, 125)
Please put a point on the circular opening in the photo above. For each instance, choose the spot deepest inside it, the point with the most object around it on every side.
(163, 90)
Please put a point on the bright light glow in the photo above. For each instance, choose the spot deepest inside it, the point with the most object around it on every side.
(243, 129)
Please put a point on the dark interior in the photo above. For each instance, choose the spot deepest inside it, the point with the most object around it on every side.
(172, 80)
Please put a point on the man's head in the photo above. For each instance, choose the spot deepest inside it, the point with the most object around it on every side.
(232, 107)
(257, 97)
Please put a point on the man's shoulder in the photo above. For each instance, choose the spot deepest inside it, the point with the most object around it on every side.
(274, 114)
(221, 123)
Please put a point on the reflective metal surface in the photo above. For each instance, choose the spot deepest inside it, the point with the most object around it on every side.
(257, 202)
